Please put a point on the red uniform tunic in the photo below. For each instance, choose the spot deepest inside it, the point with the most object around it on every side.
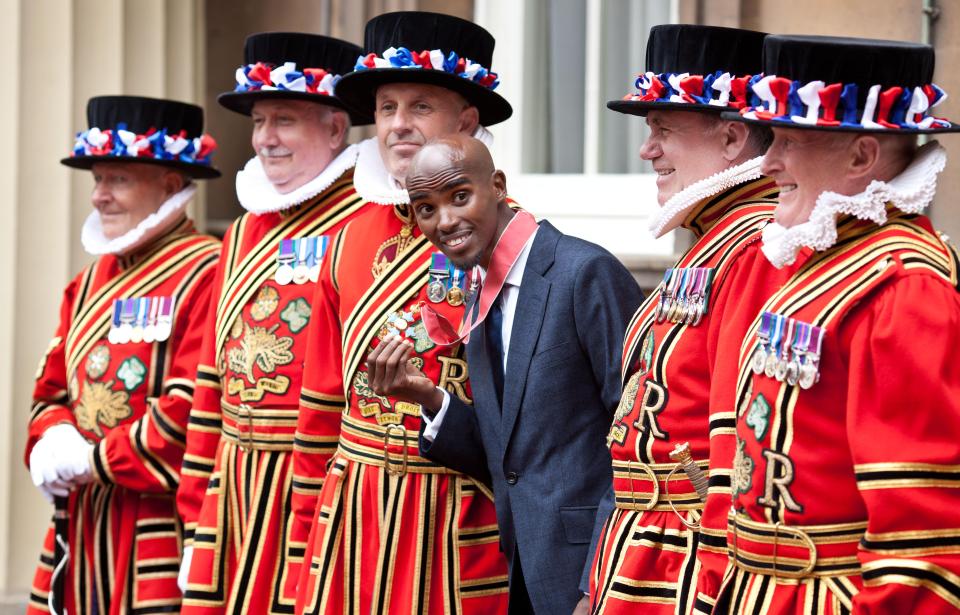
(391, 531)
(235, 495)
(647, 553)
(846, 490)
(132, 401)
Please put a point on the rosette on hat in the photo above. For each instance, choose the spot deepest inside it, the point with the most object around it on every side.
(695, 68)
(430, 48)
(847, 85)
(148, 130)
(292, 66)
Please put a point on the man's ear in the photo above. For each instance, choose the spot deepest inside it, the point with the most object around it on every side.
(173, 182)
(469, 120)
(339, 126)
(864, 154)
(499, 180)
(733, 139)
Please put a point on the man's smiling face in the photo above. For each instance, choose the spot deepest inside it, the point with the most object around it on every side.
(683, 147)
(459, 199)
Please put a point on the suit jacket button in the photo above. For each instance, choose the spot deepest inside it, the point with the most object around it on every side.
(512, 478)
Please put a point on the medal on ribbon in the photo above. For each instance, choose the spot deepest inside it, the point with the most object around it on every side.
(810, 369)
(439, 273)
(455, 295)
(660, 311)
(140, 322)
(319, 251)
(114, 335)
(759, 359)
(150, 331)
(770, 365)
(165, 319)
(127, 316)
(301, 272)
(285, 258)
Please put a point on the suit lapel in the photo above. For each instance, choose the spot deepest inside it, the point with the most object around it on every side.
(527, 322)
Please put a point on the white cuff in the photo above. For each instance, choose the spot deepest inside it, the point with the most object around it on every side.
(433, 425)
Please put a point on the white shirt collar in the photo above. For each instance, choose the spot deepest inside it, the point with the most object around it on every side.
(258, 196)
(97, 244)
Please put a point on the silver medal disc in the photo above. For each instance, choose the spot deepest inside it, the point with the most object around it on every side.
(284, 275)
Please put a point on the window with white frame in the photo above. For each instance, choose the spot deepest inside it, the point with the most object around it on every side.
(567, 157)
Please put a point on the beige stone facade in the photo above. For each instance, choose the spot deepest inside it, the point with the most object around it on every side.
(58, 53)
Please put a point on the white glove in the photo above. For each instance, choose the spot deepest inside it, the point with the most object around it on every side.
(185, 568)
(60, 460)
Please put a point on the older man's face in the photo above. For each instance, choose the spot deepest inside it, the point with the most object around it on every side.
(805, 163)
(295, 140)
(125, 193)
(409, 114)
(683, 147)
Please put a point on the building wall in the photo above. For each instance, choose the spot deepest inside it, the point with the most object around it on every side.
(57, 54)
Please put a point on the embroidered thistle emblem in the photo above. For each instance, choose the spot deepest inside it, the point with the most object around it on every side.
(646, 352)
(742, 469)
(628, 398)
(260, 347)
(101, 405)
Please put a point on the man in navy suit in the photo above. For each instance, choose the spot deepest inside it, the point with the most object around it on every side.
(544, 369)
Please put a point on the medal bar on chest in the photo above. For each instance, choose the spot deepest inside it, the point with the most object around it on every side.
(788, 350)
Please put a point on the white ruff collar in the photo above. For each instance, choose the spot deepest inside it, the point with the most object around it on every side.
(375, 184)
(675, 209)
(97, 244)
(258, 196)
(911, 192)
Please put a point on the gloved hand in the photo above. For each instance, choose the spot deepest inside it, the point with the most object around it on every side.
(60, 460)
(185, 568)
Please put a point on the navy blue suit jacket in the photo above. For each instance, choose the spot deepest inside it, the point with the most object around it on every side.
(544, 451)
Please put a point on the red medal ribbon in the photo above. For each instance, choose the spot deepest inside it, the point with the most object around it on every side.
(504, 257)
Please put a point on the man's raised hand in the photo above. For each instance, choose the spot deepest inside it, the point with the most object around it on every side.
(391, 374)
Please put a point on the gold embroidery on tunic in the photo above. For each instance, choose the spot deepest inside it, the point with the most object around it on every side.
(101, 405)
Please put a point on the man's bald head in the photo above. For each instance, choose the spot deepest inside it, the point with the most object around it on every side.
(459, 198)
(444, 155)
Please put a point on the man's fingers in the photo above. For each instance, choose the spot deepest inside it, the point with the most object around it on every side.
(376, 365)
(393, 362)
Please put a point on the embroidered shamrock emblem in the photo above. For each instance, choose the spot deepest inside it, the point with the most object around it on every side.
(758, 417)
(296, 314)
(132, 373)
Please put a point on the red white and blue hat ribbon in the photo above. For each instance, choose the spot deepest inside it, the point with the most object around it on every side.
(156, 144)
(434, 59)
(720, 89)
(263, 77)
(896, 108)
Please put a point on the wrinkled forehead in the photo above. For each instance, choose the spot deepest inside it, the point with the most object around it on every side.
(436, 169)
